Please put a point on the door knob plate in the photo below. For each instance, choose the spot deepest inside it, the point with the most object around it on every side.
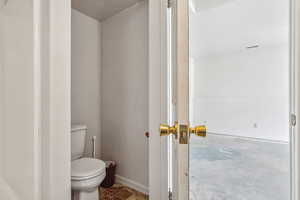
(184, 135)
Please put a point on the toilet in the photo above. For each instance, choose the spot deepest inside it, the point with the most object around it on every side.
(86, 173)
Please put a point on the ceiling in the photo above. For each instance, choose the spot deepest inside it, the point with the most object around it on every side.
(101, 9)
(227, 26)
(198, 5)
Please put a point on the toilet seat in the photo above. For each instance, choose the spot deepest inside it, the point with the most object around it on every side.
(86, 168)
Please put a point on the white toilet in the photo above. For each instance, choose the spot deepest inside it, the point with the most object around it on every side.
(87, 173)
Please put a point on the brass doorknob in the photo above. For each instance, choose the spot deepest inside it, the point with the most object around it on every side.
(199, 131)
(182, 131)
(168, 130)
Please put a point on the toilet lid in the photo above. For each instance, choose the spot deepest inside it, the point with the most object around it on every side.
(85, 168)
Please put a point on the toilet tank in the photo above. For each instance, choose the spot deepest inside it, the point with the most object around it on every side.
(78, 134)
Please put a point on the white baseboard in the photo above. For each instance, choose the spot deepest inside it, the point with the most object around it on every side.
(132, 184)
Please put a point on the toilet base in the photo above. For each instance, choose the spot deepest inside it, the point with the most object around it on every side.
(84, 195)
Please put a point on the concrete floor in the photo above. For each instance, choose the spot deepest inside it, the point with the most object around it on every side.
(230, 168)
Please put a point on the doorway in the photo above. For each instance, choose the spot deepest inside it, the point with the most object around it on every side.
(239, 87)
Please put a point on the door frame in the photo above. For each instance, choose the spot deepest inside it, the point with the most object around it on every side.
(295, 86)
(158, 186)
(52, 59)
(158, 148)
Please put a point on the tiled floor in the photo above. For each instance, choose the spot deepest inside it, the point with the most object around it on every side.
(230, 168)
(120, 192)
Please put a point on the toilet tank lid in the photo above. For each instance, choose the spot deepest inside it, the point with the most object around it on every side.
(78, 127)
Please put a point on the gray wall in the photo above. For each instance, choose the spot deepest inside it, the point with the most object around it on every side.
(124, 92)
(86, 63)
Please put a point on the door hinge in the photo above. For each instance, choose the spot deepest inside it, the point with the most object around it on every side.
(293, 119)
(169, 3)
(170, 195)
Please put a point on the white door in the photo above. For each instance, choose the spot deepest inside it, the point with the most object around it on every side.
(231, 73)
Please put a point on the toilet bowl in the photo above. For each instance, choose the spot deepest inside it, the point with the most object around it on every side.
(86, 173)
(86, 176)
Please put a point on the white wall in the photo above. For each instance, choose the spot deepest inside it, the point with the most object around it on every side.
(17, 130)
(243, 93)
(36, 99)
(124, 92)
(86, 62)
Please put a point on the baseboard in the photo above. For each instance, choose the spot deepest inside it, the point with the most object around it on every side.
(249, 138)
(132, 184)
